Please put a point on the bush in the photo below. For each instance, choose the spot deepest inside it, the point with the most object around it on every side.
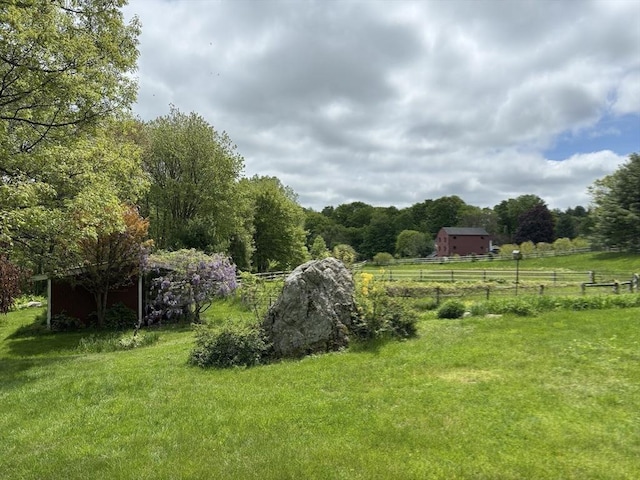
(382, 258)
(389, 318)
(62, 322)
(229, 347)
(451, 309)
(120, 317)
(400, 322)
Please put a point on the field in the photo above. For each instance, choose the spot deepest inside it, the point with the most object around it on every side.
(560, 275)
(551, 396)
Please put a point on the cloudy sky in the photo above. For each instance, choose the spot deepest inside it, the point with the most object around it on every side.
(394, 102)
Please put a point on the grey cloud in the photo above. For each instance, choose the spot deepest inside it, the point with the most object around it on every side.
(391, 103)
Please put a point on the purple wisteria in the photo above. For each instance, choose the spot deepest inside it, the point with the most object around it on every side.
(189, 283)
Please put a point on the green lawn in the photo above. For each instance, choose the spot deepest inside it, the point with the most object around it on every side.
(581, 262)
(553, 396)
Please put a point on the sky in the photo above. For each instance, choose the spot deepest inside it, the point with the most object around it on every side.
(395, 102)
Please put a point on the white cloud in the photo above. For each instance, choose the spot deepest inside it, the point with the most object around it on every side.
(391, 103)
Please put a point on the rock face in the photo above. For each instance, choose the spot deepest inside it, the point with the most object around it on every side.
(314, 310)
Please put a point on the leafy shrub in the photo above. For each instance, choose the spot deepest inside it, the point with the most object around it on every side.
(62, 322)
(229, 347)
(451, 309)
(120, 317)
(399, 321)
(382, 258)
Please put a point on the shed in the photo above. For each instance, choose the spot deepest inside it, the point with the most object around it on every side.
(462, 241)
(63, 296)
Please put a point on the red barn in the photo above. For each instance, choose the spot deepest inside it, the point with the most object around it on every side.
(76, 301)
(462, 241)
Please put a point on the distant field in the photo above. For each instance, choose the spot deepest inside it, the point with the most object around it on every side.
(553, 396)
(581, 262)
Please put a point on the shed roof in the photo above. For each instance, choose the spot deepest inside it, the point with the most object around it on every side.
(464, 231)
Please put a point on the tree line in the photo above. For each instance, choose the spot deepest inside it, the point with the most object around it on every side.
(83, 181)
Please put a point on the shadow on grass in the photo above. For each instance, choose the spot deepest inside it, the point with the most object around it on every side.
(14, 372)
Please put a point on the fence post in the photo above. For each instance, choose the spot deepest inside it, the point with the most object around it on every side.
(488, 290)
(437, 295)
(592, 276)
(583, 288)
(616, 287)
(452, 279)
(541, 290)
(420, 275)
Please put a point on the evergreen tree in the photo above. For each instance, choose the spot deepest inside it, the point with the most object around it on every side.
(617, 212)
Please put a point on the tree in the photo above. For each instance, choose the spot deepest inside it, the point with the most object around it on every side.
(278, 234)
(193, 200)
(617, 206)
(191, 284)
(60, 180)
(535, 225)
(379, 235)
(65, 70)
(509, 212)
(319, 249)
(444, 212)
(65, 65)
(106, 257)
(345, 253)
(10, 278)
(413, 244)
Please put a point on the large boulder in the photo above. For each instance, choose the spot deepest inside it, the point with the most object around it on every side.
(314, 311)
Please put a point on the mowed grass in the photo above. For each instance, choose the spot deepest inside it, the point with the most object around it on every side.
(581, 262)
(554, 396)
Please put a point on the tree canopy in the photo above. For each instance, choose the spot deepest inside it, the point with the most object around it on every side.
(65, 77)
(617, 201)
(193, 200)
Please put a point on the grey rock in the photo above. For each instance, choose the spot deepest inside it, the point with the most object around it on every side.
(314, 311)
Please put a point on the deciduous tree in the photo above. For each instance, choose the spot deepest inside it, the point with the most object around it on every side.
(109, 252)
(535, 225)
(278, 234)
(194, 199)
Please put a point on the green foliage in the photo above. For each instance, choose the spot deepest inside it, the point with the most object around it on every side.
(120, 317)
(277, 219)
(617, 212)
(382, 259)
(451, 309)
(66, 70)
(319, 249)
(379, 315)
(509, 212)
(194, 200)
(62, 322)
(345, 253)
(413, 244)
(63, 68)
(230, 347)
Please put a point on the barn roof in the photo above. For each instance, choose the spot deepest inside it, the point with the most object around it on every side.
(464, 231)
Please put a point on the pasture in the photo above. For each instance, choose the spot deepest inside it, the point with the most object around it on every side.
(551, 396)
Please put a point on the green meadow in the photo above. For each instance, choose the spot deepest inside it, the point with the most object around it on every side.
(550, 396)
